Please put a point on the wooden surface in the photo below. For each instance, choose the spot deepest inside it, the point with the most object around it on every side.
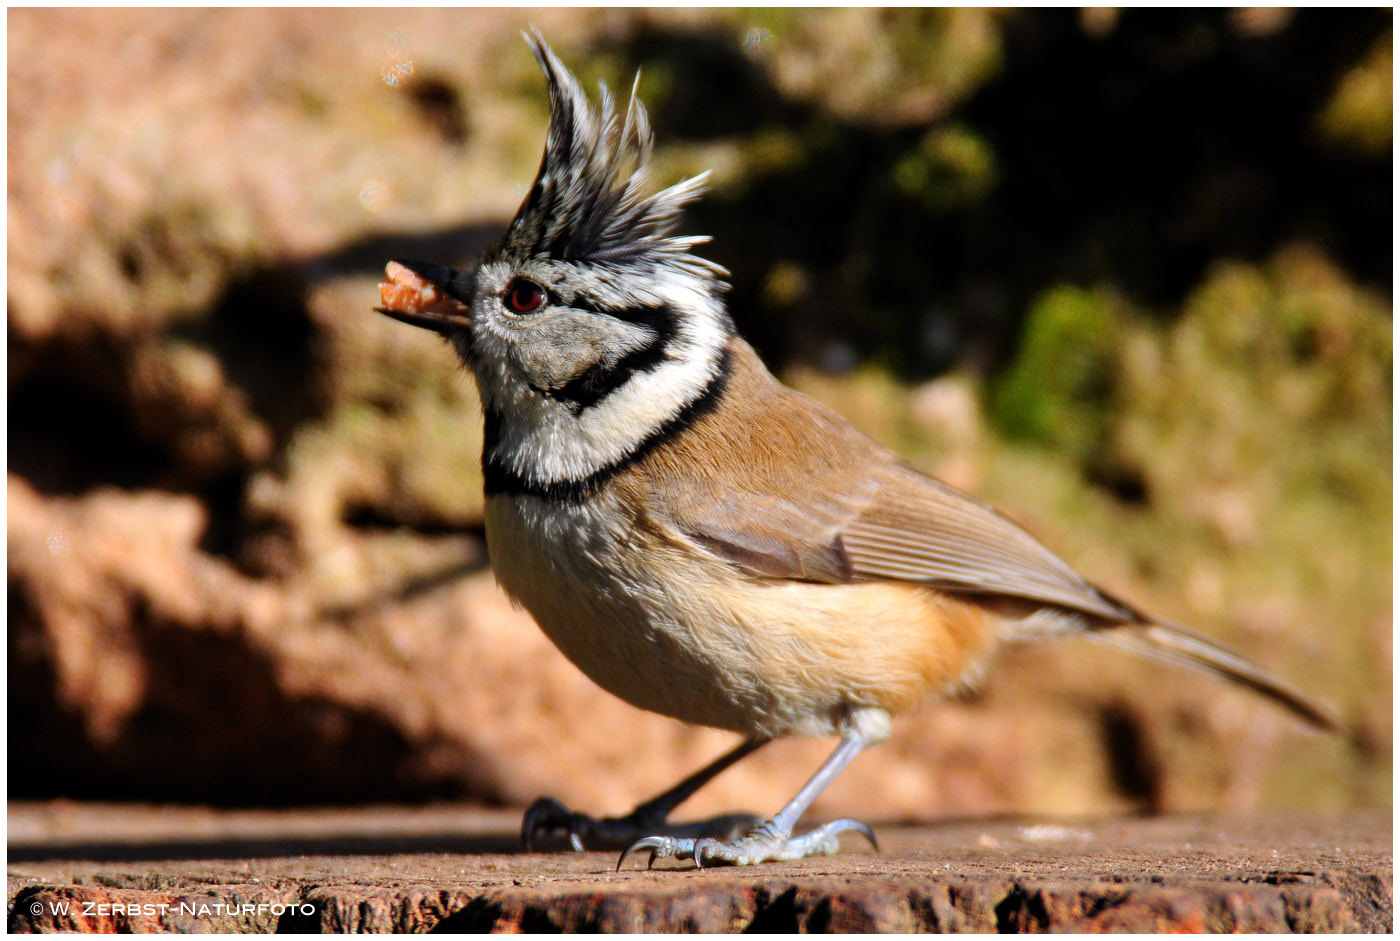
(120, 867)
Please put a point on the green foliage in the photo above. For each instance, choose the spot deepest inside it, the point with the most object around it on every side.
(1056, 391)
(1275, 375)
(952, 166)
(877, 62)
(954, 49)
(1360, 114)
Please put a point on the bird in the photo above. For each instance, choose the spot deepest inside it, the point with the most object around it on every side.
(701, 540)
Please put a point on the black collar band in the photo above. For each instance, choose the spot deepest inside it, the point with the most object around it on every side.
(500, 479)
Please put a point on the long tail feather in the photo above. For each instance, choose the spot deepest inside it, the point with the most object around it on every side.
(1179, 645)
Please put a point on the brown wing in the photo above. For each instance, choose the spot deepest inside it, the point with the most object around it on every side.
(920, 529)
(785, 488)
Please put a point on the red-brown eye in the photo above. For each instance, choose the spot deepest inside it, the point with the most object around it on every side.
(523, 296)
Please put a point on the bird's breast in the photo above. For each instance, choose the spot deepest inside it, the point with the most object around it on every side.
(661, 623)
(606, 590)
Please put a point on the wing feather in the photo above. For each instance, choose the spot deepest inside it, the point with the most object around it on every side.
(784, 488)
(920, 529)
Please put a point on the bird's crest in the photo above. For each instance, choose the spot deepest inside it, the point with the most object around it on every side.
(588, 201)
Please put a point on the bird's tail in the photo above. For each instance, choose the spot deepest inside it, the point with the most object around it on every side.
(1175, 644)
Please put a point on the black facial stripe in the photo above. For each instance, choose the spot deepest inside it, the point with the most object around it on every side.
(660, 319)
(578, 303)
(601, 380)
(500, 479)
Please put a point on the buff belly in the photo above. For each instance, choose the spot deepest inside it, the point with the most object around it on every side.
(668, 628)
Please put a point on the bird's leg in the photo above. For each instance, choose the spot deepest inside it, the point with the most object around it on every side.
(547, 815)
(772, 839)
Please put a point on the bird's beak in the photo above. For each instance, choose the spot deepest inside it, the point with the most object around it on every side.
(425, 295)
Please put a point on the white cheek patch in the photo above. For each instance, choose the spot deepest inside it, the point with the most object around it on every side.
(545, 441)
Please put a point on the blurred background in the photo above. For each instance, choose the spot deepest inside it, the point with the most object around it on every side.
(1126, 274)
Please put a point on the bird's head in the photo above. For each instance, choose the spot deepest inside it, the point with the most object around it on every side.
(588, 324)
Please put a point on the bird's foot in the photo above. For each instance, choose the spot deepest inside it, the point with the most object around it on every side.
(766, 842)
(547, 816)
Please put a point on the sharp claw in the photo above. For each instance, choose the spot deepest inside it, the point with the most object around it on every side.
(654, 843)
(701, 848)
(846, 823)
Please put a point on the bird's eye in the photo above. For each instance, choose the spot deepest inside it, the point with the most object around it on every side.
(523, 297)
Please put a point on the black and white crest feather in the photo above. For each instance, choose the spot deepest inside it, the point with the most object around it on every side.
(629, 339)
(588, 201)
